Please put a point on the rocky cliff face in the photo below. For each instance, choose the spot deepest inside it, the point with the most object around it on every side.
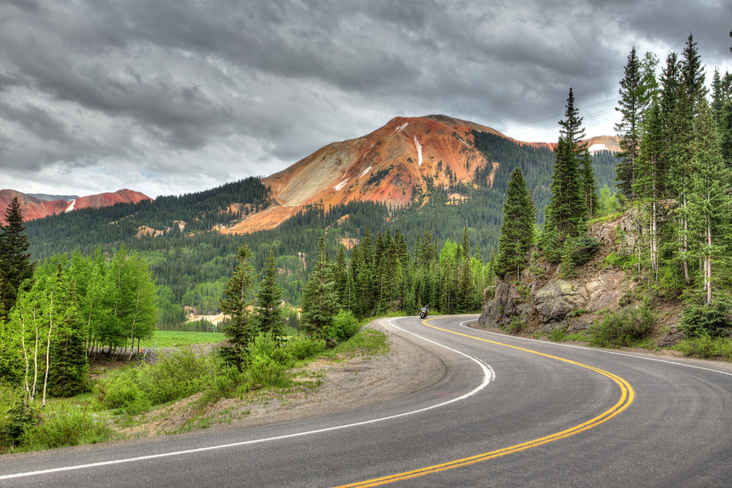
(545, 300)
(35, 208)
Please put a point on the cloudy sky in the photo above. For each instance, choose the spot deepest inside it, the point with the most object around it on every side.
(175, 96)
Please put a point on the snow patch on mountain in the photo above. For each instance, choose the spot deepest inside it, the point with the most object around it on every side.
(365, 171)
(340, 185)
(70, 207)
(419, 150)
(597, 148)
(401, 127)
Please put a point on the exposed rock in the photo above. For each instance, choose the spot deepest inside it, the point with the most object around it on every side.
(543, 297)
(35, 208)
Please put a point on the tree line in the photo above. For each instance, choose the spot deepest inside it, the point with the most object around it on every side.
(674, 168)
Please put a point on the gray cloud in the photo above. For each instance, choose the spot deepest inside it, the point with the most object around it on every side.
(176, 96)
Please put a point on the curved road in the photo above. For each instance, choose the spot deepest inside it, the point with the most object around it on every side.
(509, 412)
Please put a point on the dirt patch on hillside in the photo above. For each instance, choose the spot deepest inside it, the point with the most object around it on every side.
(323, 387)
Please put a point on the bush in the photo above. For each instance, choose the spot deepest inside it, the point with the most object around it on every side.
(265, 371)
(622, 328)
(303, 346)
(266, 345)
(516, 325)
(20, 419)
(343, 327)
(584, 248)
(557, 335)
(68, 426)
(706, 347)
(705, 320)
(176, 376)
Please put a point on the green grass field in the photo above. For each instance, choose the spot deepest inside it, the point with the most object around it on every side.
(172, 338)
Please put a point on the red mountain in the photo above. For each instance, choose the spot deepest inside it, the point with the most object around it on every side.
(384, 166)
(34, 208)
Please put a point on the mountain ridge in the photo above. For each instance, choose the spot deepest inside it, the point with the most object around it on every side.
(36, 208)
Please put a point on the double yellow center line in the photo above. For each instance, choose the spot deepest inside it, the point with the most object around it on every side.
(626, 398)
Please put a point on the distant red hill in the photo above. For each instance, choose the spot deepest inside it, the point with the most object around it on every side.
(35, 208)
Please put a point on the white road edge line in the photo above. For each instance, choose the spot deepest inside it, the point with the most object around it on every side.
(462, 324)
(488, 375)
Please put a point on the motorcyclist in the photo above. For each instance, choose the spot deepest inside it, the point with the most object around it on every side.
(424, 312)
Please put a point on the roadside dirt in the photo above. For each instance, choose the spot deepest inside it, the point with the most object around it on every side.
(325, 386)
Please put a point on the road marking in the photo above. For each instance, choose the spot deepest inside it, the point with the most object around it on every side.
(627, 396)
(488, 376)
(605, 351)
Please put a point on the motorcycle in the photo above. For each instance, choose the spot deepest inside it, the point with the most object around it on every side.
(423, 313)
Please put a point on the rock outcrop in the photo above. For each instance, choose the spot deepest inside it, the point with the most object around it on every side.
(544, 298)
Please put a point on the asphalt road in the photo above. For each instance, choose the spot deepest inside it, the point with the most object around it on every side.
(509, 412)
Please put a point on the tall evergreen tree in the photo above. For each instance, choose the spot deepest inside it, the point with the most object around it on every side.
(242, 329)
(69, 373)
(269, 300)
(629, 129)
(15, 266)
(589, 186)
(647, 184)
(319, 300)
(565, 213)
(517, 230)
(709, 204)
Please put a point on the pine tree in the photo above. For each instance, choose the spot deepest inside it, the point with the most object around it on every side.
(589, 186)
(647, 184)
(691, 93)
(709, 203)
(319, 300)
(629, 129)
(15, 266)
(517, 230)
(269, 300)
(69, 373)
(242, 329)
(565, 212)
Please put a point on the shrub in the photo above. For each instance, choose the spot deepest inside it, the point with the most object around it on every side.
(584, 248)
(178, 375)
(516, 325)
(20, 418)
(557, 335)
(266, 345)
(344, 326)
(265, 371)
(68, 426)
(706, 347)
(705, 320)
(622, 328)
(304, 346)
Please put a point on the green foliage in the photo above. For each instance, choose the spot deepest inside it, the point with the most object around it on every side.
(15, 264)
(622, 328)
(20, 418)
(344, 326)
(177, 375)
(66, 426)
(303, 346)
(269, 309)
(622, 261)
(585, 248)
(706, 347)
(241, 329)
(268, 362)
(557, 335)
(517, 230)
(706, 320)
(516, 325)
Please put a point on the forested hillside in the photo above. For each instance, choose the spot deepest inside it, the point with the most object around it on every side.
(191, 263)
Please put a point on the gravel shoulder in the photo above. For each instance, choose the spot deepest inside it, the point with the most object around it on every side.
(325, 386)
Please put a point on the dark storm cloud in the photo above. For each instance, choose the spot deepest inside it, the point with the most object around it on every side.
(226, 88)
